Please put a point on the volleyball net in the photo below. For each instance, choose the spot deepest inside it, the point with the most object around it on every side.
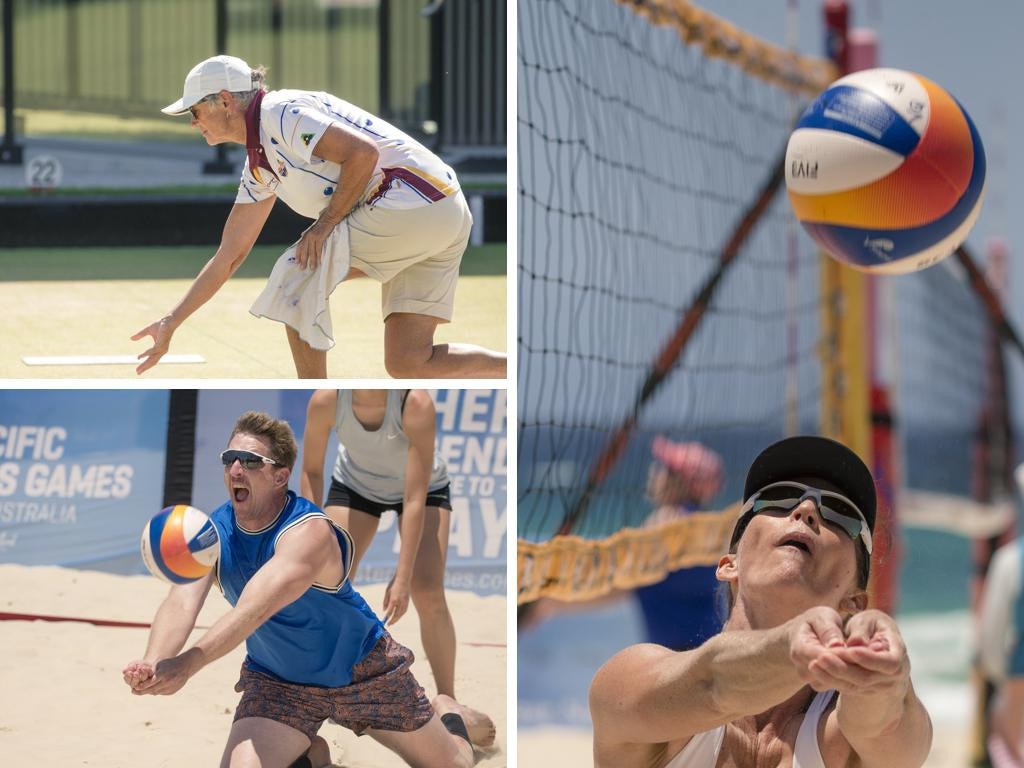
(663, 293)
(666, 298)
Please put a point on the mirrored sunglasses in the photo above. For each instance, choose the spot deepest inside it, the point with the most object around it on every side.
(248, 459)
(833, 507)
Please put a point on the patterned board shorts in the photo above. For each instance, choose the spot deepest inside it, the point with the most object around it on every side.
(383, 695)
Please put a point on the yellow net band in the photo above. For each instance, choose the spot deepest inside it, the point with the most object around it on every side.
(573, 568)
(722, 40)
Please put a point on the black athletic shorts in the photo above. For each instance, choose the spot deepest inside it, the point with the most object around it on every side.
(340, 495)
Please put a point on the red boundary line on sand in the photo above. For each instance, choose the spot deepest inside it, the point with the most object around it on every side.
(5, 616)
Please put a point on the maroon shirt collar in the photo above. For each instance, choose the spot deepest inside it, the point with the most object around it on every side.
(253, 147)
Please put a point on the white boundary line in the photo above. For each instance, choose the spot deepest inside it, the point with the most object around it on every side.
(107, 360)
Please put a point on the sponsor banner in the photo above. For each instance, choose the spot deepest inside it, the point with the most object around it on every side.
(81, 473)
(471, 438)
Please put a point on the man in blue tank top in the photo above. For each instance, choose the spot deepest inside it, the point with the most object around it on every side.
(315, 650)
(802, 674)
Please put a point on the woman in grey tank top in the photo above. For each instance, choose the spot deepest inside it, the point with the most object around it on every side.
(386, 460)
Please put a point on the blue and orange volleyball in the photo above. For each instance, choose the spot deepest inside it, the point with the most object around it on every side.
(886, 171)
(180, 544)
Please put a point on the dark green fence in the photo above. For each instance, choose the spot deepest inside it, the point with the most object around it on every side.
(442, 73)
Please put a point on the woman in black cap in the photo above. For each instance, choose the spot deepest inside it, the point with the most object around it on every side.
(801, 674)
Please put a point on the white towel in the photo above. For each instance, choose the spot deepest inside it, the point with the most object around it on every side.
(299, 297)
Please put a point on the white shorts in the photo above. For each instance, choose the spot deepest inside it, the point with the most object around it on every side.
(415, 253)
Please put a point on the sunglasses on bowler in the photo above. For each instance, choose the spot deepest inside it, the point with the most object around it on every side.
(248, 459)
(833, 507)
(204, 100)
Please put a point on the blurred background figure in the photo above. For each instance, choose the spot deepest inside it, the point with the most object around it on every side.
(679, 612)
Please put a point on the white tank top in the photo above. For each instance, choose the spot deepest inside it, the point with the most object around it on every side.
(702, 750)
(372, 462)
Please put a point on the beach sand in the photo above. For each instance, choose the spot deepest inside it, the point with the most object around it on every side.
(64, 702)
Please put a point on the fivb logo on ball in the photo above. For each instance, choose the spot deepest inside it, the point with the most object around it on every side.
(886, 171)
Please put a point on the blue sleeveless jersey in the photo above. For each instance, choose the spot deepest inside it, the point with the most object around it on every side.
(315, 640)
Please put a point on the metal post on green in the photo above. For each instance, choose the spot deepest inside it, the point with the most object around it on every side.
(72, 49)
(276, 41)
(332, 62)
(220, 163)
(384, 60)
(435, 12)
(10, 150)
(134, 44)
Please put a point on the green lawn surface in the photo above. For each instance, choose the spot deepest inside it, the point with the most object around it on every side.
(89, 301)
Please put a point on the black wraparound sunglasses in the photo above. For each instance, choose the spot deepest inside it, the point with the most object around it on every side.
(248, 459)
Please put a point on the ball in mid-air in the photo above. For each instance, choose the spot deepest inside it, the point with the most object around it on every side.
(180, 544)
(886, 171)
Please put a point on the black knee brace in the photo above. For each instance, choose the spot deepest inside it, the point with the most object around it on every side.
(455, 725)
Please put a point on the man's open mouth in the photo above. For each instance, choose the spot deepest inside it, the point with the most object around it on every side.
(796, 543)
